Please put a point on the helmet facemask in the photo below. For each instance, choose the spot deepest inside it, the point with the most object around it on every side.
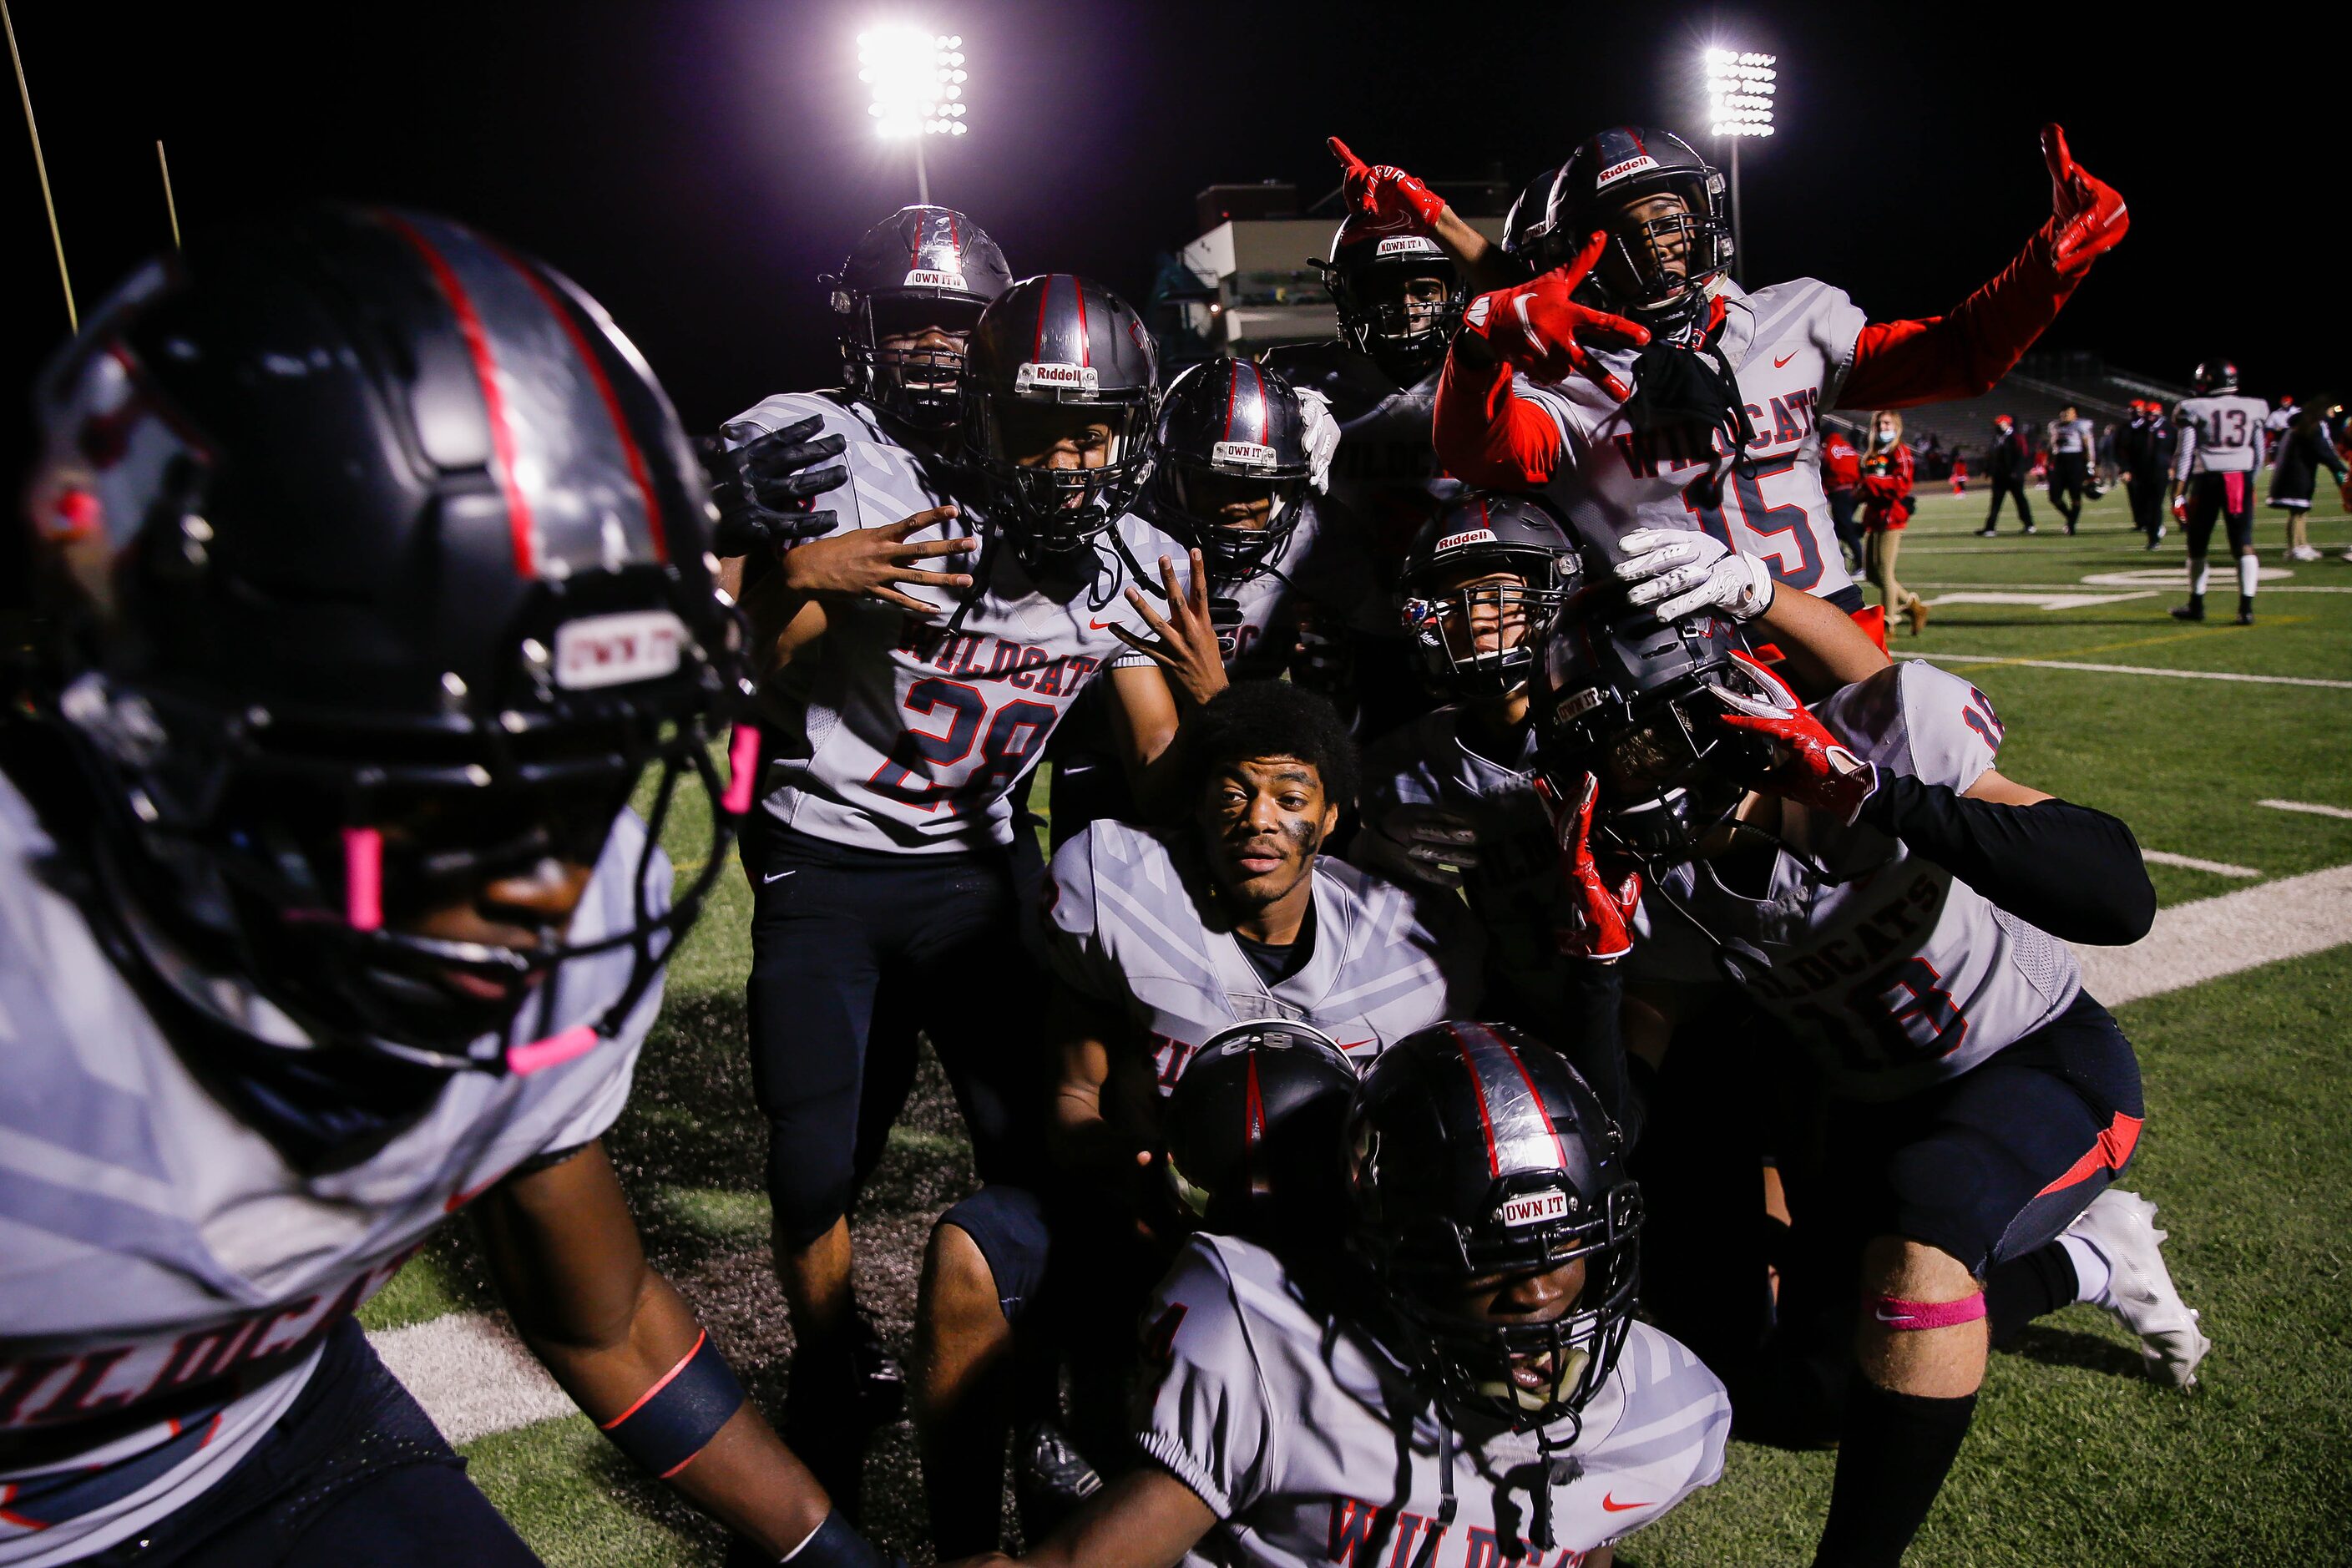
(1638, 272)
(920, 385)
(1239, 512)
(1484, 639)
(1401, 312)
(1043, 510)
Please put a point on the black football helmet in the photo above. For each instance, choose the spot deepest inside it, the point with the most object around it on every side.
(1229, 430)
(1371, 258)
(1475, 1151)
(921, 267)
(1624, 164)
(1057, 342)
(1487, 532)
(2215, 375)
(1527, 228)
(1627, 701)
(369, 563)
(1252, 1126)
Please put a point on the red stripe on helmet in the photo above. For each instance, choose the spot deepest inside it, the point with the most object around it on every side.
(955, 242)
(1044, 298)
(604, 393)
(1559, 1152)
(485, 372)
(1478, 1096)
(1254, 1110)
(1085, 337)
(1233, 391)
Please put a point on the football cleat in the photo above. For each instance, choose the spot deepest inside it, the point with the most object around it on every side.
(2246, 612)
(2121, 1227)
(1986, 533)
(2193, 611)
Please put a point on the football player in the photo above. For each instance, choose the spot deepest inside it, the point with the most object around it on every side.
(2218, 446)
(325, 916)
(1239, 461)
(1863, 876)
(2070, 440)
(1159, 938)
(893, 877)
(1696, 405)
(1464, 1385)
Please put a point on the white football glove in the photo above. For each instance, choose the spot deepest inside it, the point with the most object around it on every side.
(1417, 843)
(1322, 437)
(1681, 572)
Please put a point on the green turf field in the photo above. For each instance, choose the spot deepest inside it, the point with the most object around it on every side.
(2075, 1457)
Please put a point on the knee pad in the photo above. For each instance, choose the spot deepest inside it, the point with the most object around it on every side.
(1898, 1316)
(1008, 1225)
(810, 1185)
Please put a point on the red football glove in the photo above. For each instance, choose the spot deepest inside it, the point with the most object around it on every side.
(1383, 190)
(1539, 329)
(2090, 215)
(1603, 927)
(1810, 765)
(2181, 511)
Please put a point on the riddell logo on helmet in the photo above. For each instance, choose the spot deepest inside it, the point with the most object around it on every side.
(1467, 536)
(934, 280)
(1034, 376)
(1533, 1208)
(1616, 171)
(613, 650)
(1245, 454)
(1406, 245)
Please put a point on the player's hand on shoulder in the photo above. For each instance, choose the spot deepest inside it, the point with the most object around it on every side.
(765, 487)
(1417, 842)
(1604, 898)
(1804, 762)
(1678, 572)
(865, 562)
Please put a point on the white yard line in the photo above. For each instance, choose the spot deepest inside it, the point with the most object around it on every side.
(2206, 939)
(471, 1375)
(2191, 863)
(2307, 807)
(1941, 657)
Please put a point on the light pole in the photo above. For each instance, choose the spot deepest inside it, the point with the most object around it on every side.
(916, 78)
(1741, 87)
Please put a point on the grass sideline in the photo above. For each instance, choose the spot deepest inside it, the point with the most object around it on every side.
(2073, 1455)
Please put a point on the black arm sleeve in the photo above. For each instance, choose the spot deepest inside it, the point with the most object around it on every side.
(1590, 1036)
(2074, 872)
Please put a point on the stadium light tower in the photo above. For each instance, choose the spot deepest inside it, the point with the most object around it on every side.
(916, 78)
(1741, 87)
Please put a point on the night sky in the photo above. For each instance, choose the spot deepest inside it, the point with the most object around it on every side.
(696, 164)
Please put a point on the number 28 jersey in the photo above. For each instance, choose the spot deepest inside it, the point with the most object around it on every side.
(1896, 973)
(1790, 346)
(902, 733)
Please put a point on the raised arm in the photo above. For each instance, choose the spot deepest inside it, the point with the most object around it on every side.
(1389, 191)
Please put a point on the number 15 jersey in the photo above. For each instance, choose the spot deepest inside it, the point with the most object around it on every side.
(900, 733)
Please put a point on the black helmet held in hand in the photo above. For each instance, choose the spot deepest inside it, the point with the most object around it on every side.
(1475, 1151)
(1060, 384)
(1252, 1128)
(370, 566)
(920, 269)
(1232, 467)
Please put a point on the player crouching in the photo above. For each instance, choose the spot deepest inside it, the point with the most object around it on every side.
(324, 913)
(1462, 1382)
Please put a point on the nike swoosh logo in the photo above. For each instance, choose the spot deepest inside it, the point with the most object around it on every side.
(1107, 626)
(777, 875)
(1886, 1317)
(1784, 359)
(1613, 1506)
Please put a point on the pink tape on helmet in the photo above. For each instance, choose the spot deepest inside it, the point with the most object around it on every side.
(364, 877)
(552, 1051)
(743, 769)
(1903, 1317)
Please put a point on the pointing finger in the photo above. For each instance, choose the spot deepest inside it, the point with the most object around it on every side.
(1348, 163)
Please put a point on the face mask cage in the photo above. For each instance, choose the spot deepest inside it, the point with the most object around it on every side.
(1042, 512)
(293, 865)
(1406, 338)
(1472, 1362)
(1444, 628)
(1233, 552)
(1642, 248)
(921, 386)
(1663, 764)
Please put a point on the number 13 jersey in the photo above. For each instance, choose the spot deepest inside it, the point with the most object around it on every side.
(902, 734)
(1896, 973)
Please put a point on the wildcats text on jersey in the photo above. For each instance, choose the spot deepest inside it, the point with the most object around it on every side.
(1024, 665)
(1363, 1536)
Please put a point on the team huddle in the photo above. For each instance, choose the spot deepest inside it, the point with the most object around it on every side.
(1523, 988)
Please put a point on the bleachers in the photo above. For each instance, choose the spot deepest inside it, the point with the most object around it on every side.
(2031, 395)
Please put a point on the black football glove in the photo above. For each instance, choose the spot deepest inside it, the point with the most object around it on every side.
(764, 488)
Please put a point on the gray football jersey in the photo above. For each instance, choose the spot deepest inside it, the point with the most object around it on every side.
(1515, 889)
(2222, 434)
(1790, 346)
(151, 1243)
(1313, 1447)
(1897, 975)
(901, 735)
(1385, 472)
(2073, 437)
(1125, 928)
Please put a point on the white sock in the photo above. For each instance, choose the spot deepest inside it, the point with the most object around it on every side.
(2247, 567)
(2093, 1274)
(2198, 574)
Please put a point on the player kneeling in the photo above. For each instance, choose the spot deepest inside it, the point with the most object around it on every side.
(324, 913)
(1462, 1384)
